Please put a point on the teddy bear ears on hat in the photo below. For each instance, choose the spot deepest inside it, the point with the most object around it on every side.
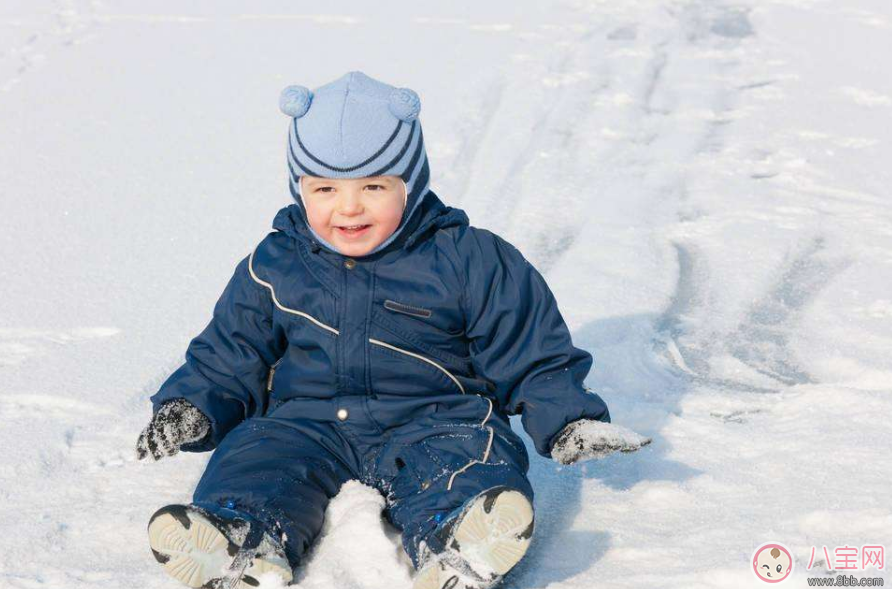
(403, 103)
(295, 101)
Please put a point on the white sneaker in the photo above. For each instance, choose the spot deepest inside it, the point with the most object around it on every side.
(198, 549)
(483, 543)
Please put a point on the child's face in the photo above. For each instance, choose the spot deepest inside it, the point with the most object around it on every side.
(375, 204)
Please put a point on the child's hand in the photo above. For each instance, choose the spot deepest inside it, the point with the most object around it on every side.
(585, 439)
(177, 422)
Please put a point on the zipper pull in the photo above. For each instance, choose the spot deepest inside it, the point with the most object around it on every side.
(272, 372)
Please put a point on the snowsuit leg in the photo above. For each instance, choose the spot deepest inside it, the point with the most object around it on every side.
(280, 472)
(434, 466)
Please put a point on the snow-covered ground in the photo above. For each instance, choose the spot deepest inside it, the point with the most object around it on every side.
(705, 185)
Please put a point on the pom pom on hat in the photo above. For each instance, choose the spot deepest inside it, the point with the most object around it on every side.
(405, 104)
(295, 101)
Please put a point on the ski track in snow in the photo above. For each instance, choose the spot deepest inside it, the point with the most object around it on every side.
(723, 255)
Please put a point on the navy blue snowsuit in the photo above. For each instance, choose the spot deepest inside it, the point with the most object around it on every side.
(398, 369)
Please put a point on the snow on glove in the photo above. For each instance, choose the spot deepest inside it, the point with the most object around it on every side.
(177, 422)
(585, 439)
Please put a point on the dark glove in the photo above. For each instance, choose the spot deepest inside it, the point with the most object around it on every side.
(586, 439)
(177, 422)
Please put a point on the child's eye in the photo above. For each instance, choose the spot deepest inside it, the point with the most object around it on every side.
(325, 189)
(375, 187)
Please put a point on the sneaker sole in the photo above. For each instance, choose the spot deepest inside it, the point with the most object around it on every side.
(195, 552)
(492, 536)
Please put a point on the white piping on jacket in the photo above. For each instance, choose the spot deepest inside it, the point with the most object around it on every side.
(431, 362)
(280, 305)
(336, 332)
(485, 453)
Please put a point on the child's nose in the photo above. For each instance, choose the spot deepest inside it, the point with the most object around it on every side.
(350, 204)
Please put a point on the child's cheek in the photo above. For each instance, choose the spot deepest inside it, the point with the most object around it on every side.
(318, 219)
(392, 216)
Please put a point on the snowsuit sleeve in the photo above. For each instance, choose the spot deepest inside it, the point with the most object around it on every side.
(519, 341)
(228, 363)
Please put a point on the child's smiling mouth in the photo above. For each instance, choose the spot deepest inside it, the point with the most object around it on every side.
(352, 230)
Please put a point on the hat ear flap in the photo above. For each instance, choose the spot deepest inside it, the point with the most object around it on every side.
(295, 101)
(404, 104)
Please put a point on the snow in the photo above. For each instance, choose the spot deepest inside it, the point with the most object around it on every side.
(705, 186)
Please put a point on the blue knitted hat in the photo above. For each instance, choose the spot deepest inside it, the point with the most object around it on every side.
(356, 127)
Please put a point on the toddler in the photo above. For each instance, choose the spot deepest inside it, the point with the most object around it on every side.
(375, 336)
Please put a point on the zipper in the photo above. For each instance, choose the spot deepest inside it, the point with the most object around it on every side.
(407, 309)
(272, 371)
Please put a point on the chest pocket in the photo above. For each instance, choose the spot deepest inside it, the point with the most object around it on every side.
(407, 309)
(429, 331)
